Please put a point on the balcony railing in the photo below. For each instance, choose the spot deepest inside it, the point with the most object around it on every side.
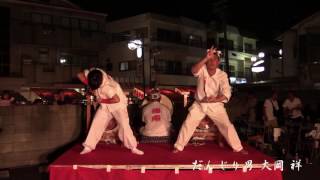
(240, 49)
(181, 41)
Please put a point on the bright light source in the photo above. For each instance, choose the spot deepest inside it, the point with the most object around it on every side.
(63, 60)
(232, 79)
(235, 80)
(243, 80)
(139, 52)
(280, 52)
(253, 59)
(257, 69)
(134, 44)
(258, 63)
(261, 54)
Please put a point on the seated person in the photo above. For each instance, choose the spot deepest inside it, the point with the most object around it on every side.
(313, 149)
(157, 119)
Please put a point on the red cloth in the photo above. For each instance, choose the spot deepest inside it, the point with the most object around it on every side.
(60, 173)
(157, 154)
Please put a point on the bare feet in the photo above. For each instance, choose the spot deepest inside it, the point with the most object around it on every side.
(85, 150)
(175, 150)
(137, 151)
(242, 151)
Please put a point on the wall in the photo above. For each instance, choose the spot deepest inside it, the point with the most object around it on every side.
(30, 133)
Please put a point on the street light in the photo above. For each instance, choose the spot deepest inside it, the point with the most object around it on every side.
(138, 45)
(261, 55)
(257, 64)
(253, 59)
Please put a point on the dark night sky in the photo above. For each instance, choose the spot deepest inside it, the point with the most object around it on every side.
(264, 18)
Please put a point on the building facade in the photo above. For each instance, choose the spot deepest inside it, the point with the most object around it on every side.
(301, 51)
(171, 47)
(47, 42)
(241, 48)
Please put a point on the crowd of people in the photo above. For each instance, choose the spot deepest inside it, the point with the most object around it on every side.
(286, 126)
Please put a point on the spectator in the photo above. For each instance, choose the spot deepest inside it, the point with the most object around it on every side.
(6, 99)
(292, 111)
(271, 110)
(271, 114)
(292, 107)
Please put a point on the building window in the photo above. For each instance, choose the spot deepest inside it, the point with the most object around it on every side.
(142, 32)
(230, 44)
(169, 66)
(168, 35)
(248, 47)
(46, 19)
(188, 68)
(84, 24)
(211, 42)
(41, 18)
(36, 18)
(247, 72)
(84, 60)
(127, 66)
(109, 66)
(66, 22)
(232, 70)
(75, 23)
(94, 26)
(194, 40)
(43, 56)
(85, 34)
(122, 36)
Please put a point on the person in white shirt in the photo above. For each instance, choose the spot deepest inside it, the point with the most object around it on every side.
(292, 107)
(156, 116)
(213, 90)
(113, 104)
(292, 111)
(271, 111)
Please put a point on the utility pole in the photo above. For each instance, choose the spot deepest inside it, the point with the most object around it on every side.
(219, 9)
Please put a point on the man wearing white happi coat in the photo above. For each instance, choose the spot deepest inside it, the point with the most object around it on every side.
(113, 104)
(213, 90)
